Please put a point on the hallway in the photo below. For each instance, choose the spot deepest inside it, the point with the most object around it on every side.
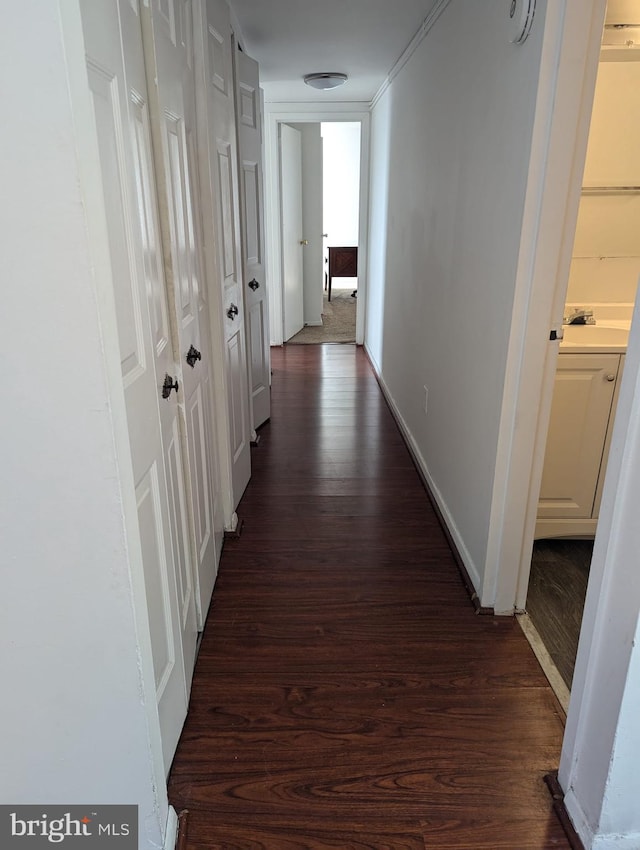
(346, 694)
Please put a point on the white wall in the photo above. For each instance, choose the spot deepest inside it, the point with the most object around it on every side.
(77, 724)
(606, 256)
(312, 273)
(445, 233)
(341, 179)
(598, 770)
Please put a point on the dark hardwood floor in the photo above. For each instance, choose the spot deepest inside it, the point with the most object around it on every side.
(346, 694)
(555, 601)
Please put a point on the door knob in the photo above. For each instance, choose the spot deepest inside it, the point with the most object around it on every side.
(304, 241)
(232, 312)
(611, 378)
(253, 284)
(192, 355)
(169, 384)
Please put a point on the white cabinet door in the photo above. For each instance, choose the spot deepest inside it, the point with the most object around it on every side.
(249, 121)
(170, 63)
(218, 144)
(580, 412)
(117, 82)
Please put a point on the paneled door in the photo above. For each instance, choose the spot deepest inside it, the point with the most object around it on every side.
(249, 122)
(170, 63)
(117, 82)
(292, 238)
(218, 144)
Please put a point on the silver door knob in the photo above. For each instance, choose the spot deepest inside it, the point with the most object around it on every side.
(611, 378)
(304, 241)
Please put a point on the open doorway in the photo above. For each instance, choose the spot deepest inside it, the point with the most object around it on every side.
(600, 298)
(320, 282)
(279, 118)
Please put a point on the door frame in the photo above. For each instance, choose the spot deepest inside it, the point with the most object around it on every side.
(568, 69)
(309, 113)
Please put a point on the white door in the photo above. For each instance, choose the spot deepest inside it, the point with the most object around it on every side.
(292, 237)
(249, 122)
(216, 115)
(171, 65)
(117, 81)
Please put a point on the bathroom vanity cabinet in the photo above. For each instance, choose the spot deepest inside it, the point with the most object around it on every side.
(582, 414)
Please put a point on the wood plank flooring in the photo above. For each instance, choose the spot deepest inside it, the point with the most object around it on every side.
(555, 602)
(346, 694)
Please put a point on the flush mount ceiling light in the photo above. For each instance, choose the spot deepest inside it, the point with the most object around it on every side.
(325, 80)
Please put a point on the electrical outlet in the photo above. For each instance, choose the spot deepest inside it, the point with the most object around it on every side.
(426, 399)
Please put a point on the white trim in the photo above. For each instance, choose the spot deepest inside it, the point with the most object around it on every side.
(578, 819)
(425, 27)
(599, 718)
(545, 661)
(171, 830)
(232, 525)
(567, 82)
(312, 111)
(612, 841)
(300, 113)
(458, 540)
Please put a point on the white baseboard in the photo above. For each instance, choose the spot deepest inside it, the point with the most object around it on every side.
(314, 324)
(449, 521)
(171, 832)
(233, 523)
(615, 842)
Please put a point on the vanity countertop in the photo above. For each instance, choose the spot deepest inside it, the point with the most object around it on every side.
(608, 336)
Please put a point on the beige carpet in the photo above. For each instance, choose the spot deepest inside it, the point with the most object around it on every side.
(338, 320)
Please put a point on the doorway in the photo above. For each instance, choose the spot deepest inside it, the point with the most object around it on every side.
(334, 143)
(320, 191)
(603, 276)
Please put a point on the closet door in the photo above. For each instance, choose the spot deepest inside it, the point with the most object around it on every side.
(216, 117)
(170, 64)
(117, 81)
(249, 122)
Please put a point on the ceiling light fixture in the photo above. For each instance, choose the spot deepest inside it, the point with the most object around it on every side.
(325, 80)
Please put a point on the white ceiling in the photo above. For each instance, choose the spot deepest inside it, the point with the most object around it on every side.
(360, 38)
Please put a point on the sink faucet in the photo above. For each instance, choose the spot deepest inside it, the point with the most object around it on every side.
(580, 316)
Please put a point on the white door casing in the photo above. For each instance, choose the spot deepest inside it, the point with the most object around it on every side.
(221, 219)
(295, 113)
(249, 124)
(169, 55)
(292, 237)
(116, 76)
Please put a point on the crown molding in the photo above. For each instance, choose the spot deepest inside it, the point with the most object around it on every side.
(425, 27)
